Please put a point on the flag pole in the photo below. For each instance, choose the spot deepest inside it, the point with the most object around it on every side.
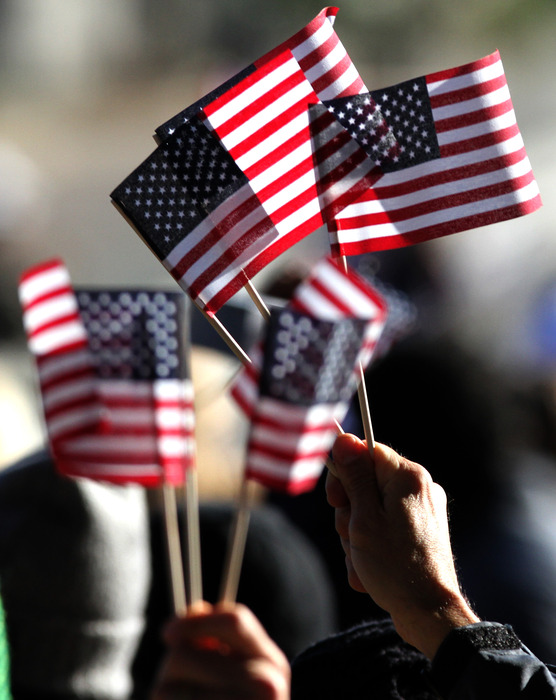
(223, 332)
(242, 516)
(191, 496)
(364, 407)
(173, 549)
(257, 299)
(193, 536)
(362, 393)
(236, 546)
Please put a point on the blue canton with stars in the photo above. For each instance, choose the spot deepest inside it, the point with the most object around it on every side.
(135, 334)
(175, 189)
(394, 125)
(309, 361)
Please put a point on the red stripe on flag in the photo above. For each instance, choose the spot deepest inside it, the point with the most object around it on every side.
(213, 237)
(302, 35)
(263, 70)
(254, 108)
(266, 256)
(477, 142)
(442, 177)
(464, 69)
(481, 115)
(55, 323)
(285, 148)
(293, 487)
(46, 296)
(430, 232)
(447, 202)
(467, 93)
(211, 272)
(39, 269)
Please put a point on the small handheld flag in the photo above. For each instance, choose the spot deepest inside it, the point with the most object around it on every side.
(123, 369)
(299, 387)
(237, 179)
(450, 153)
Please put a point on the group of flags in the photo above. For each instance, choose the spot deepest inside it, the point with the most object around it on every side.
(292, 143)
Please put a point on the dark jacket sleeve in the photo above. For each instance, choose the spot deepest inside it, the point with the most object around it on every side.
(487, 660)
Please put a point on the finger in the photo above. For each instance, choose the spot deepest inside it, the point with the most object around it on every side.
(330, 465)
(231, 626)
(237, 626)
(439, 497)
(355, 469)
(181, 628)
(352, 576)
(190, 668)
(343, 447)
(397, 476)
(335, 493)
(342, 518)
(204, 667)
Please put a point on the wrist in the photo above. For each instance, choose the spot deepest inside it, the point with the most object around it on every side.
(425, 628)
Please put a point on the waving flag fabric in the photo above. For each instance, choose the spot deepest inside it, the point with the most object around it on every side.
(135, 373)
(58, 340)
(267, 124)
(198, 213)
(217, 210)
(451, 153)
(320, 55)
(301, 383)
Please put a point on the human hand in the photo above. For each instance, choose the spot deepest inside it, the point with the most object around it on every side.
(221, 652)
(392, 522)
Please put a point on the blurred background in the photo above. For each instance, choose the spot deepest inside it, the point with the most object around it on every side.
(84, 84)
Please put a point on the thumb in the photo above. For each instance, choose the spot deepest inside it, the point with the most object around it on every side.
(354, 467)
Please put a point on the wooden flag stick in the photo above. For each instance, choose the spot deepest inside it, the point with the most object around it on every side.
(223, 332)
(365, 413)
(193, 537)
(174, 549)
(362, 394)
(236, 546)
(240, 525)
(257, 299)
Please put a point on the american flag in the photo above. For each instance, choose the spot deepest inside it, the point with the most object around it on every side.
(197, 212)
(217, 210)
(138, 378)
(302, 382)
(451, 153)
(318, 51)
(290, 151)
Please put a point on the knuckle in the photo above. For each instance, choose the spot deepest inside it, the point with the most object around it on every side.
(236, 621)
(269, 683)
(416, 477)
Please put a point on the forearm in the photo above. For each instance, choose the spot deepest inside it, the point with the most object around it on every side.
(425, 628)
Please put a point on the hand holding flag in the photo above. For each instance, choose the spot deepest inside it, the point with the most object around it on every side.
(297, 389)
